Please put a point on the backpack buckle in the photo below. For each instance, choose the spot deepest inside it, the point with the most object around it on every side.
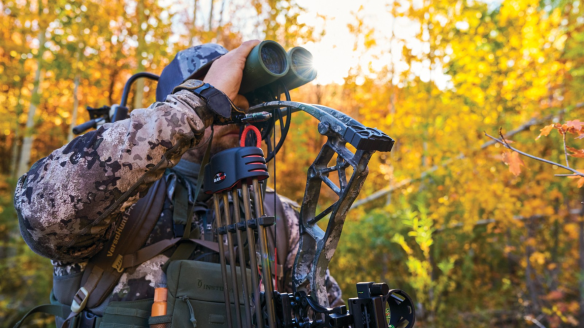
(118, 263)
(79, 300)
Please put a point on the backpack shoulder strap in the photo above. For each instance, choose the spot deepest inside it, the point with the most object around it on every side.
(183, 208)
(56, 310)
(105, 269)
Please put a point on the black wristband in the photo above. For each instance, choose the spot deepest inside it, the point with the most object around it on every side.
(217, 101)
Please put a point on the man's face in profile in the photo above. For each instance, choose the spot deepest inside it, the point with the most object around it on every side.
(226, 137)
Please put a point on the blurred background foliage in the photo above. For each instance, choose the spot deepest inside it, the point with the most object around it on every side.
(440, 216)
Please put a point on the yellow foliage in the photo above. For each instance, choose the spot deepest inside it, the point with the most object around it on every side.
(457, 227)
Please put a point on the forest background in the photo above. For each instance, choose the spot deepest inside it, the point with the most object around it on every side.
(441, 216)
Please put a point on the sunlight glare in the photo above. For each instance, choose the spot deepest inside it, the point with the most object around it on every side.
(338, 51)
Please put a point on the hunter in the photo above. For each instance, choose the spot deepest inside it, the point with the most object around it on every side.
(66, 203)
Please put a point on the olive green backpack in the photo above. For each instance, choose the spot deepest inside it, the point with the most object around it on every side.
(195, 296)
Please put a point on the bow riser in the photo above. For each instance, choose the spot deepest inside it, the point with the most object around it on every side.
(328, 245)
(317, 247)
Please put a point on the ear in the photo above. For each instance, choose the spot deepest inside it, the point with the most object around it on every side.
(241, 102)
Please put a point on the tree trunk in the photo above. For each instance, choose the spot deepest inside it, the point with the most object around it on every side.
(556, 270)
(385, 269)
(23, 163)
(17, 134)
(139, 95)
(581, 262)
(219, 26)
(75, 108)
(14, 152)
(392, 98)
(432, 291)
(210, 25)
(530, 274)
(194, 27)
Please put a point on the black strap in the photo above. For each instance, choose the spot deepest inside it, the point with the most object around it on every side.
(180, 199)
(181, 202)
(104, 270)
(182, 206)
(149, 252)
(53, 309)
(200, 180)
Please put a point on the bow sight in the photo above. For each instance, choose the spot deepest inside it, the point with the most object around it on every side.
(240, 173)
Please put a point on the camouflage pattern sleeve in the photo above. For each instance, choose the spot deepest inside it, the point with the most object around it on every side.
(68, 202)
(335, 295)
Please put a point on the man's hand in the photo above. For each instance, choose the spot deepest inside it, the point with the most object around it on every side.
(226, 73)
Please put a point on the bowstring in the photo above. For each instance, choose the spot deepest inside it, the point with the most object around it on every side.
(275, 213)
(284, 129)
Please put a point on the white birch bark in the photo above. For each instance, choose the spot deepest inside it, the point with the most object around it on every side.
(75, 108)
(24, 161)
(139, 95)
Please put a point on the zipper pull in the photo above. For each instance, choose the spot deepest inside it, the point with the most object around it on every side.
(192, 319)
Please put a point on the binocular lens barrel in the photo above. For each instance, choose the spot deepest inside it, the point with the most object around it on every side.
(269, 66)
(301, 69)
(273, 58)
(266, 63)
(302, 62)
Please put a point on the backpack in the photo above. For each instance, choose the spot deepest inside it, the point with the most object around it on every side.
(91, 288)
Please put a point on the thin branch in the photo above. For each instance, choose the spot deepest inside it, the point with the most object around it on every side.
(503, 137)
(534, 320)
(530, 123)
(565, 150)
(524, 127)
(534, 157)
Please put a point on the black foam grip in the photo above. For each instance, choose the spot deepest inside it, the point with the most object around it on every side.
(85, 126)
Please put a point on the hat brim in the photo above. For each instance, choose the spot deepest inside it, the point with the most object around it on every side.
(202, 71)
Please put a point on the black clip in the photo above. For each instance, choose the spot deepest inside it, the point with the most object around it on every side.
(241, 226)
(252, 223)
(266, 221)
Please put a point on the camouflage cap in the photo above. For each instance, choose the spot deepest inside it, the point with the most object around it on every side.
(184, 64)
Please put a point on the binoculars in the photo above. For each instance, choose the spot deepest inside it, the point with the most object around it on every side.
(270, 71)
(269, 66)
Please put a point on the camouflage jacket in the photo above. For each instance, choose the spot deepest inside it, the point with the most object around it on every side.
(68, 203)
